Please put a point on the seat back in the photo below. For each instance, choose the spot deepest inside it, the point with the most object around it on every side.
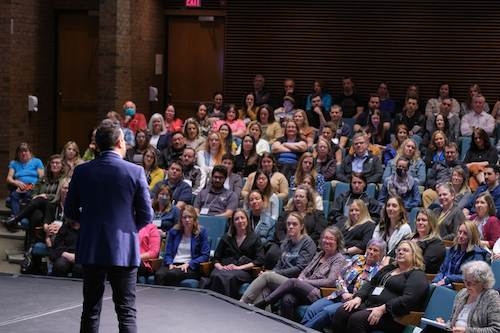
(495, 266)
(216, 228)
(417, 138)
(340, 188)
(351, 122)
(326, 208)
(465, 146)
(411, 217)
(280, 206)
(440, 304)
(243, 181)
(371, 189)
(327, 191)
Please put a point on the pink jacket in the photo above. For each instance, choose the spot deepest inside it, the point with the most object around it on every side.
(149, 241)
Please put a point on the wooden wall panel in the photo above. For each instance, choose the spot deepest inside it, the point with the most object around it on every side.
(404, 42)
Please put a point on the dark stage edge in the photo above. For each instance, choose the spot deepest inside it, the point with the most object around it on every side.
(47, 304)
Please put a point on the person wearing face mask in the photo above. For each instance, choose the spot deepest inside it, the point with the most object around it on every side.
(133, 120)
(408, 149)
(166, 214)
(401, 184)
(182, 191)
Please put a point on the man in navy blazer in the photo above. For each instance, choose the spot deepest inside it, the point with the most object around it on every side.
(109, 198)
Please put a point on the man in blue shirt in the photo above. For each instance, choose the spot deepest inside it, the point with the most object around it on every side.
(182, 191)
(491, 174)
(127, 132)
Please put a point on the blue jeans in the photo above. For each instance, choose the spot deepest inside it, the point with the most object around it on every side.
(15, 201)
(122, 280)
(320, 313)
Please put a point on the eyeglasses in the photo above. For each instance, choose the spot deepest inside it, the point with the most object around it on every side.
(55, 163)
(469, 283)
(298, 196)
(405, 250)
(478, 138)
(329, 239)
(218, 177)
(141, 137)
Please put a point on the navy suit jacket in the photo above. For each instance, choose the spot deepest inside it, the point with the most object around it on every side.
(109, 198)
(200, 248)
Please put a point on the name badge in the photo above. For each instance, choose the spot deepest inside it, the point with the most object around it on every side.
(157, 222)
(189, 182)
(59, 223)
(346, 211)
(377, 291)
(204, 211)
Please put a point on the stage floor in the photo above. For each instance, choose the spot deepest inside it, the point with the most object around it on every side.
(45, 304)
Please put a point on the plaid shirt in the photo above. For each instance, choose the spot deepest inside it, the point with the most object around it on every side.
(354, 272)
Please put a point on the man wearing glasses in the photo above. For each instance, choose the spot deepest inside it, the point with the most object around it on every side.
(172, 152)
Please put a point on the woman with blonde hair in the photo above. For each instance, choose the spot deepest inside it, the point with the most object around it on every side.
(427, 237)
(467, 247)
(192, 135)
(154, 174)
(402, 133)
(255, 129)
(307, 164)
(187, 246)
(408, 149)
(326, 162)
(358, 228)
(435, 151)
(70, 154)
(212, 154)
(156, 129)
(306, 132)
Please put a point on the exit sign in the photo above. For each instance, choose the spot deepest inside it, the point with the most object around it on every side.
(193, 3)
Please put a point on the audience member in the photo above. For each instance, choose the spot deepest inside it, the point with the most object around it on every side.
(359, 270)
(248, 111)
(63, 250)
(306, 131)
(134, 154)
(212, 154)
(201, 117)
(443, 92)
(261, 146)
(401, 184)
(127, 133)
(271, 129)
(461, 188)
(427, 237)
(182, 191)
(317, 114)
(321, 272)
(133, 120)
(364, 118)
(226, 135)
(307, 164)
(187, 246)
(285, 112)
(412, 92)
(408, 149)
(401, 134)
(192, 173)
(24, 172)
(357, 229)
(449, 216)
(290, 91)
(314, 221)
(259, 210)
(480, 154)
(319, 88)
(342, 130)
(381, 135)
(246, 161)
(233, 180)
(54, 214)
(485, 219)
(237, 253)
(238, 127)
(308, 181)
(393, 226)
(216, 200)
(466, 248)
(166, 214)
(436, 150)
(442, 124)
(491, 174)
(70, 154)
(172, 152)
(154, 174)
(386, 103)
(339, 210)
(149, 244)
(172, 122)
(296, 253)
(217, 110)
(453, 120)
(374, 308)
(93, 150)
(441, 172)
(352, 103)
(278, 181)
(262, 96)
(477, 119)
(466, 107)
(361, 161)
(270, 200)
(326, 162)
(329, 133)
(367, 132)
(289, 148)
(156, 129)
(412, 118)
(193, 137)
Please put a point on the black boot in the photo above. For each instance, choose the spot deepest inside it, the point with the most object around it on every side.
(261, 304)
(11, 223)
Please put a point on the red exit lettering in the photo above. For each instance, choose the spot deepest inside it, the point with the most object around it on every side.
(193, 3)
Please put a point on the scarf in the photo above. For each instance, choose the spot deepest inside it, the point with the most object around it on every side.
(394, 187)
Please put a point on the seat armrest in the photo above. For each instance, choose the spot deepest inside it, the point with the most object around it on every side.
(206, 268)
(325, 291)
(413, 318)
(430, 277)
(155, 263)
